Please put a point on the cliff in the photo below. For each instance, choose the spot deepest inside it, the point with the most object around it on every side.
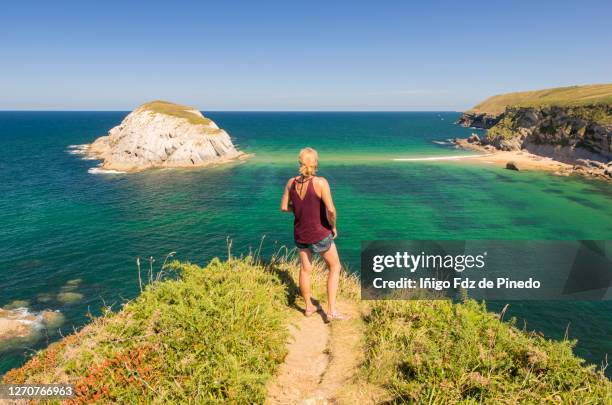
(163, 134)
(574, 132)
(572, 124)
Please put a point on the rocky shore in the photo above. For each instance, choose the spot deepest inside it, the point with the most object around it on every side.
(19, 326)
(575, 139)
(478, 120)
(161, 134)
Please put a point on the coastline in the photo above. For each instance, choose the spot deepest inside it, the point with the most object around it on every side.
(183, 208)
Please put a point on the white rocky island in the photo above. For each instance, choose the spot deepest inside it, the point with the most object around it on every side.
(161, 134)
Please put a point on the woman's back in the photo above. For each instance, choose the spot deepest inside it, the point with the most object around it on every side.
(310, 224)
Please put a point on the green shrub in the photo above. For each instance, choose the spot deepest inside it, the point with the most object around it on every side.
(440, 352)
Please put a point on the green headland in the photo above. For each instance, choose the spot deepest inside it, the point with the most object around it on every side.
(571, 125)
(571, 96)
(220, 334)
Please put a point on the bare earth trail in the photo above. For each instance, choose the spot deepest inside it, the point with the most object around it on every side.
(323, 358)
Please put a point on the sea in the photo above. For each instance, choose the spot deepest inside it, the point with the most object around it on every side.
(66, 226)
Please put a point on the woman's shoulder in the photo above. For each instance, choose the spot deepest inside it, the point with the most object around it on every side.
(320, 184)
(291, 181)
(320, 180)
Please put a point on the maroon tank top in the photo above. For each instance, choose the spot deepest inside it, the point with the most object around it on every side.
(310, 224)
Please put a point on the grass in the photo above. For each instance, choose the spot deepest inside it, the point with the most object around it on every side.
(561, 96)
(437, 352)
(505, 128)
(191, 114)
(213, 334)
(217, 334)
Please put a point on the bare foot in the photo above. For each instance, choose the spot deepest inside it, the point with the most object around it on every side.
(337, 316)
(311, 310)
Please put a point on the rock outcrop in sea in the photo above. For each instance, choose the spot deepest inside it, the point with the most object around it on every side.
(161, 134)
(19, 326)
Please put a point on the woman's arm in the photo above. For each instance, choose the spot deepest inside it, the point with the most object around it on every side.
(285, 203)
(329, 205)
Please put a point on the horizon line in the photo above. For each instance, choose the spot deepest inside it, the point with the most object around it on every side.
(224, 110)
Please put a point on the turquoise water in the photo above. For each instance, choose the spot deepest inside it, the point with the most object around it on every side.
(60, 222)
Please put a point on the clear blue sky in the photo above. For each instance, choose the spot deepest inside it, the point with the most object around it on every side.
(296, 55)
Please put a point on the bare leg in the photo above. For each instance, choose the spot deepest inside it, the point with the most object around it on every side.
(333, 264)
(305, 269)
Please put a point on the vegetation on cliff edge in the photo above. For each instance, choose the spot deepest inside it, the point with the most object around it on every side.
(561, 96)
(191, 114)
(218, 334)
(574, 126)
(437, 352)
(214, 334)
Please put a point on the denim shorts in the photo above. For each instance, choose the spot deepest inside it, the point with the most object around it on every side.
(321, 246)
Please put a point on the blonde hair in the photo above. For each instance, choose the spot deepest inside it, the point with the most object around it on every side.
(308, 159)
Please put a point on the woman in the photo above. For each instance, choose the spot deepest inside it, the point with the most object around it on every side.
(314, 228)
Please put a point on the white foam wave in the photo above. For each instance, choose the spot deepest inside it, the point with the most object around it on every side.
(453, 157)
(77, 149)
(21, 326)
(21, 311)
(23, 316)
(99, 170)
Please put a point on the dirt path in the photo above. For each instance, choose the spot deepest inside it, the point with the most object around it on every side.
(322, 358)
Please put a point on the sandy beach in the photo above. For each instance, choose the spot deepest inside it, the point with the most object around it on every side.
(522, 159)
